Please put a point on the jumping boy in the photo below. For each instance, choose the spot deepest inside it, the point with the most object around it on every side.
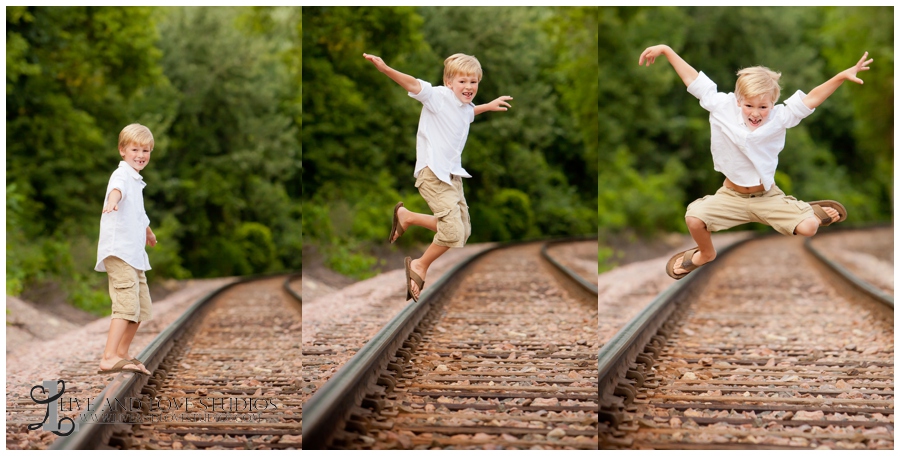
(124, 230)
(748, 132)
(443, 128)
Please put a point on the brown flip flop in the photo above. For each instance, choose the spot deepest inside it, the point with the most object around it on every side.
(118, 368)
(410, 274)
(136, 361)
(395, 226)
(822, 216)
(686, 263)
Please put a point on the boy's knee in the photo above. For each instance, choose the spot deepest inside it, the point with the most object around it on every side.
(694, 224)
(808, 227)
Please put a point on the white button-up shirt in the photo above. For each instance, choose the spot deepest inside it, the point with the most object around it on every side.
(123, 233)
(747, 158)
(443, 129)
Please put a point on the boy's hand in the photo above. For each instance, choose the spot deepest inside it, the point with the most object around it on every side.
(651, 53)
(499, 104)
(379, 64)
(109, 208)
(151, 238)
(863, 65)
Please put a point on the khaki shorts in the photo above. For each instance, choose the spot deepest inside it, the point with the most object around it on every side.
(448, 204)
(128, 290)
(728, 208)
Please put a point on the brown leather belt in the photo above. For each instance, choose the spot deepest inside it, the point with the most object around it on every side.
(745, 190)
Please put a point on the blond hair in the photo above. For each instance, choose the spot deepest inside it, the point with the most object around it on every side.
(136, 133)
(462, 64)
(758, 80)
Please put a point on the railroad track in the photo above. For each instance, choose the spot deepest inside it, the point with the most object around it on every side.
(224, 376)
(500, 353)
(766, 348)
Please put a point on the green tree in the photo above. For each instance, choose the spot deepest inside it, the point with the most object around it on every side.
(231, 146)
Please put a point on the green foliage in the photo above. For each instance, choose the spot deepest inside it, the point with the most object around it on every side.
(255, 240)
(86, 294)
(345, 260)
(605, 259)
(164, 257)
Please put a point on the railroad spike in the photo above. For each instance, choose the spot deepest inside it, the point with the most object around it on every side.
(636, 376)
(627, 391)
(372, 403)
(388, 383)
(646, 360)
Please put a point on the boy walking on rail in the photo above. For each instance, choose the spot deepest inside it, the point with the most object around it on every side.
(748, 132)
(447, 112)
(124, 230)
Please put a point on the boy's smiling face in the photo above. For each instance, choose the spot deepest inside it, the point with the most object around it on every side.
(464, 86)
(136, 155)
(755, 110)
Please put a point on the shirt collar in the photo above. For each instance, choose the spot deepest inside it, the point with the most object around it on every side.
(131, 172)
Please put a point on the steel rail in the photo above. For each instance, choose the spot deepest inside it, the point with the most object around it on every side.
(584, 283)
(92, 434)
(866, 287)
(287, 287)
(614, 357)
(327, 410)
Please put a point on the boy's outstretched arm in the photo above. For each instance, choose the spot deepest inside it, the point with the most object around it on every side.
(112, 201)
(406, 81)
(817, 96)
(499, 104)
(687, 72)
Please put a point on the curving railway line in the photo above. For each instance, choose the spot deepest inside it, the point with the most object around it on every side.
(225, 375)
(766, 348)
(501, 353)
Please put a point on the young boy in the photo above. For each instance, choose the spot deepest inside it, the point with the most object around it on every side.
(124, 230)
(443, 128)
(748, 132)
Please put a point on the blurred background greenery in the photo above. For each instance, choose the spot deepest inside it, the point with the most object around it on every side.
(534, 167)
(654, 136)
(220, 90)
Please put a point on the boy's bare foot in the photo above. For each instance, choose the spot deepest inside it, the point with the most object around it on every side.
(416, 267)
(698, 259)
(403, 218)
(834, 214)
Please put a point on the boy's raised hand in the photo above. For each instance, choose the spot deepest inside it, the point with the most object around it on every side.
(379, 64)
(499, 104)
(863, 65)
(651, 53)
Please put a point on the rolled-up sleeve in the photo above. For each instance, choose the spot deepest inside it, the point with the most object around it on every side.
(116, 182)
(426, 96)
(794, 110)
(705, 90)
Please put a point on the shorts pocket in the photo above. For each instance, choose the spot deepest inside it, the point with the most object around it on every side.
(698, 200)
(447, 227)
(794, 203)
(126, 296)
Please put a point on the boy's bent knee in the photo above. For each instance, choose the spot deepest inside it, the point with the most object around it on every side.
(808, 227)
(693, 223)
